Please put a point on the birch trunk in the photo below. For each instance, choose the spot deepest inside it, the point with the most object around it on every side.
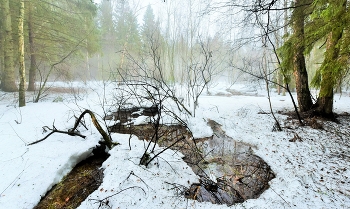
(22, 71)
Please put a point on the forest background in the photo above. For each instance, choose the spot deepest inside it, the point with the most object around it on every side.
(295, 45)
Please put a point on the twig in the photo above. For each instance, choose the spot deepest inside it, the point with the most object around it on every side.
(132, 173)
(101, 201)
(178, 187)
(156, 155)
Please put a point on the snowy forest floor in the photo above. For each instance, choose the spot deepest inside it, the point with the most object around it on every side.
(311, 163)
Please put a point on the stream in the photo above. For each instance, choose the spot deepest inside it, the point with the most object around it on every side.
(229, 171)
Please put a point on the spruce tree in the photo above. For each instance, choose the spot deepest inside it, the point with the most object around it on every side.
(128, 42)
(330, 21)
(293, 58)
(149, 26)
(108, 37)
(127, 33)
(153, 45)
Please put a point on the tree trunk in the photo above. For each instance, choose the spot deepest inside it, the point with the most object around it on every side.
(32, 69)
(278, 83)
(329, 69)
(8, 83)
(22, 72)
(1, 61)
(1, 48)
(285, 30)
(300, 73)
(325, 103)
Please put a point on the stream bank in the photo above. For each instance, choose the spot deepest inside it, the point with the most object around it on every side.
(76, 186)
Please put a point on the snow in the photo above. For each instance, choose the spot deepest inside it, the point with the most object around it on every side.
(312, 173)
(142, 186)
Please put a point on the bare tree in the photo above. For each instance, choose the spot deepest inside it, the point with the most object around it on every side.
(200, 73)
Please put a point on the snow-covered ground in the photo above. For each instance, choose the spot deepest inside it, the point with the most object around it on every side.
(313, 172)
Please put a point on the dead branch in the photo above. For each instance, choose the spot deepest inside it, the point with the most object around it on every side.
(156, 155)
(74, 132)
